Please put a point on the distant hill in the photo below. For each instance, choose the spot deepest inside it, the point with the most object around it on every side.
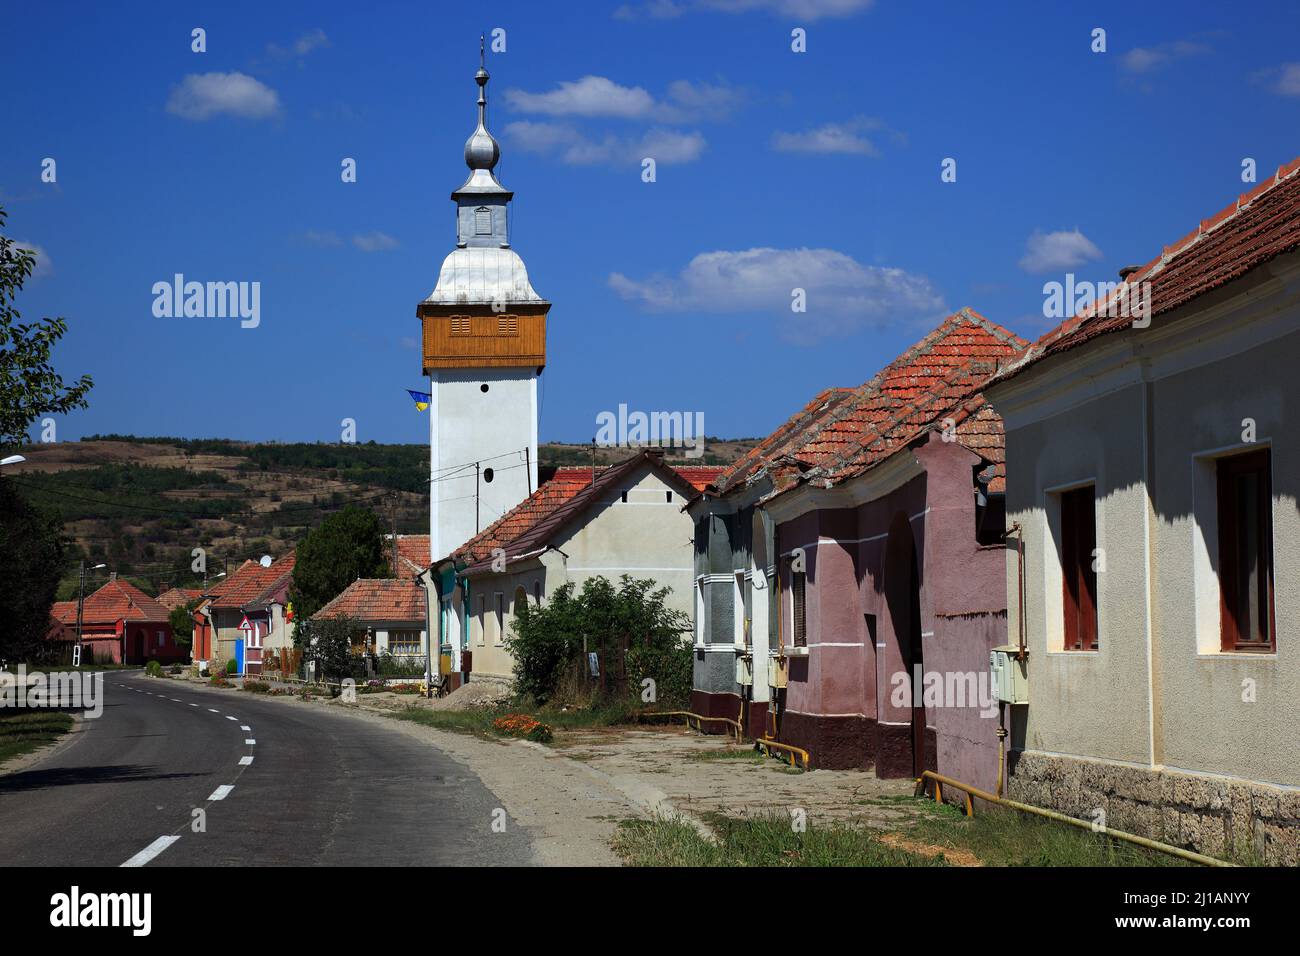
(141, 505)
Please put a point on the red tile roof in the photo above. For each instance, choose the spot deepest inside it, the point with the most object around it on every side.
(529, 525)
(65, 612)
(176, 597)
(120, 601)
(378, 600)
(1261, 225)
(412, 552)
(843, 432)
(566, 483)
(252, 582)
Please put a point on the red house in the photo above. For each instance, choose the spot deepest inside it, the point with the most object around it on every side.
(120, 624)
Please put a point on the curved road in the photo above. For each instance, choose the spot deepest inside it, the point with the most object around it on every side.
(277, 786)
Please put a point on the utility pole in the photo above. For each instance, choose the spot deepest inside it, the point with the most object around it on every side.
(392, 501)
(81, 602)
(528, 470)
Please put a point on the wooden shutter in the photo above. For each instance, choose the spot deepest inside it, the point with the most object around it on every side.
(799, 610)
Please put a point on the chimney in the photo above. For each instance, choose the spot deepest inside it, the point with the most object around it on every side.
(112, 575)
(1127, 271)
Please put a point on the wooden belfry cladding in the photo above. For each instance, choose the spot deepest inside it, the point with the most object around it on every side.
(455, 339)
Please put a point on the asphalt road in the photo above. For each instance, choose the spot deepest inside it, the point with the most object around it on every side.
(306, 788)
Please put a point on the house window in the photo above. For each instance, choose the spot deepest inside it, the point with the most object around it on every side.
(1078, 573)
(798, 609)
(668, 497)
(537, 593)
(499, 635)
(1245, 505)
(482, 618)
(740, 634)
(699, 613)
(404, 642)
(160, 638)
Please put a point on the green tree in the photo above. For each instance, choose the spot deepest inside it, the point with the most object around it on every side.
(345, 546)
(31, 560)
(29, 386)
(327, 642)
(632, 619)
(182, 622)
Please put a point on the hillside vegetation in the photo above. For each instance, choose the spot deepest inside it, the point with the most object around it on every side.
(142, 505)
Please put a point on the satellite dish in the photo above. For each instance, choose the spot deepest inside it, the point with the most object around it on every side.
(266, 561)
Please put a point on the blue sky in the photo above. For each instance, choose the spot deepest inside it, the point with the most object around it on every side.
(775, 169)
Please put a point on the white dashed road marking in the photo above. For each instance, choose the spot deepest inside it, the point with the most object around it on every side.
(245, 761)
(213, 710)
(151, 851)
(245, 727)
(221, 792)
(250, 741)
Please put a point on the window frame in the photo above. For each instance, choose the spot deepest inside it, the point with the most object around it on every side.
(798, 608)
(1077, 557)
(1256, 461)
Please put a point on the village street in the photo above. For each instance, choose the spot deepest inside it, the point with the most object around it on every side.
(276, 787)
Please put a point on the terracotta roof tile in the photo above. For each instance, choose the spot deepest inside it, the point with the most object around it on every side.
(378, 600)
(844, 432)
(120, 601)
(529, 525)
(1259, 226)
(251, 582)
(176, 597)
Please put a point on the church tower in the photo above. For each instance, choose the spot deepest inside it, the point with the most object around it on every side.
(484, 347)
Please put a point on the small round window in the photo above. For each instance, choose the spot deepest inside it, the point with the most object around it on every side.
(488, 474)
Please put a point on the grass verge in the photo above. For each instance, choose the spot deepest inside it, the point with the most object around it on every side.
(1002, 837)
(22, 731)
(939, 836)
(757, 841)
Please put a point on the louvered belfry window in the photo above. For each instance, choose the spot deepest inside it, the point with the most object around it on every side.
(482, 221)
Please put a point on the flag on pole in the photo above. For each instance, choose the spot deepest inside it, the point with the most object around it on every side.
(421, 399)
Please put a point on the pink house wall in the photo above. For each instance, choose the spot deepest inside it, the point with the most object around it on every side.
(838, 701)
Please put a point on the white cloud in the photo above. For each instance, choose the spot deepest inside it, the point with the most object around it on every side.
(1284, 79)
(589, 96)
(1057, 251)
(374, 242)
(44, 264)
(322, 238)
(843, 295)
(201, 96)
(1146, 59)
(309, 42)
(599, 96)
(808, 10)
(572, 146)
(830, 138)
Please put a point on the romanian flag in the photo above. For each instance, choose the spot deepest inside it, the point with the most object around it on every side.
(421, 399)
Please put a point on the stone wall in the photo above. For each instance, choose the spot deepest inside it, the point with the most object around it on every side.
(1217, 816)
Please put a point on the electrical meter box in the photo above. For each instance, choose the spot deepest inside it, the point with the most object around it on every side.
(1009, 677)
(780, 672)
(744, 670)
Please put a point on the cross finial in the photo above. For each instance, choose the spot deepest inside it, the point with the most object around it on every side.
(480, 50)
